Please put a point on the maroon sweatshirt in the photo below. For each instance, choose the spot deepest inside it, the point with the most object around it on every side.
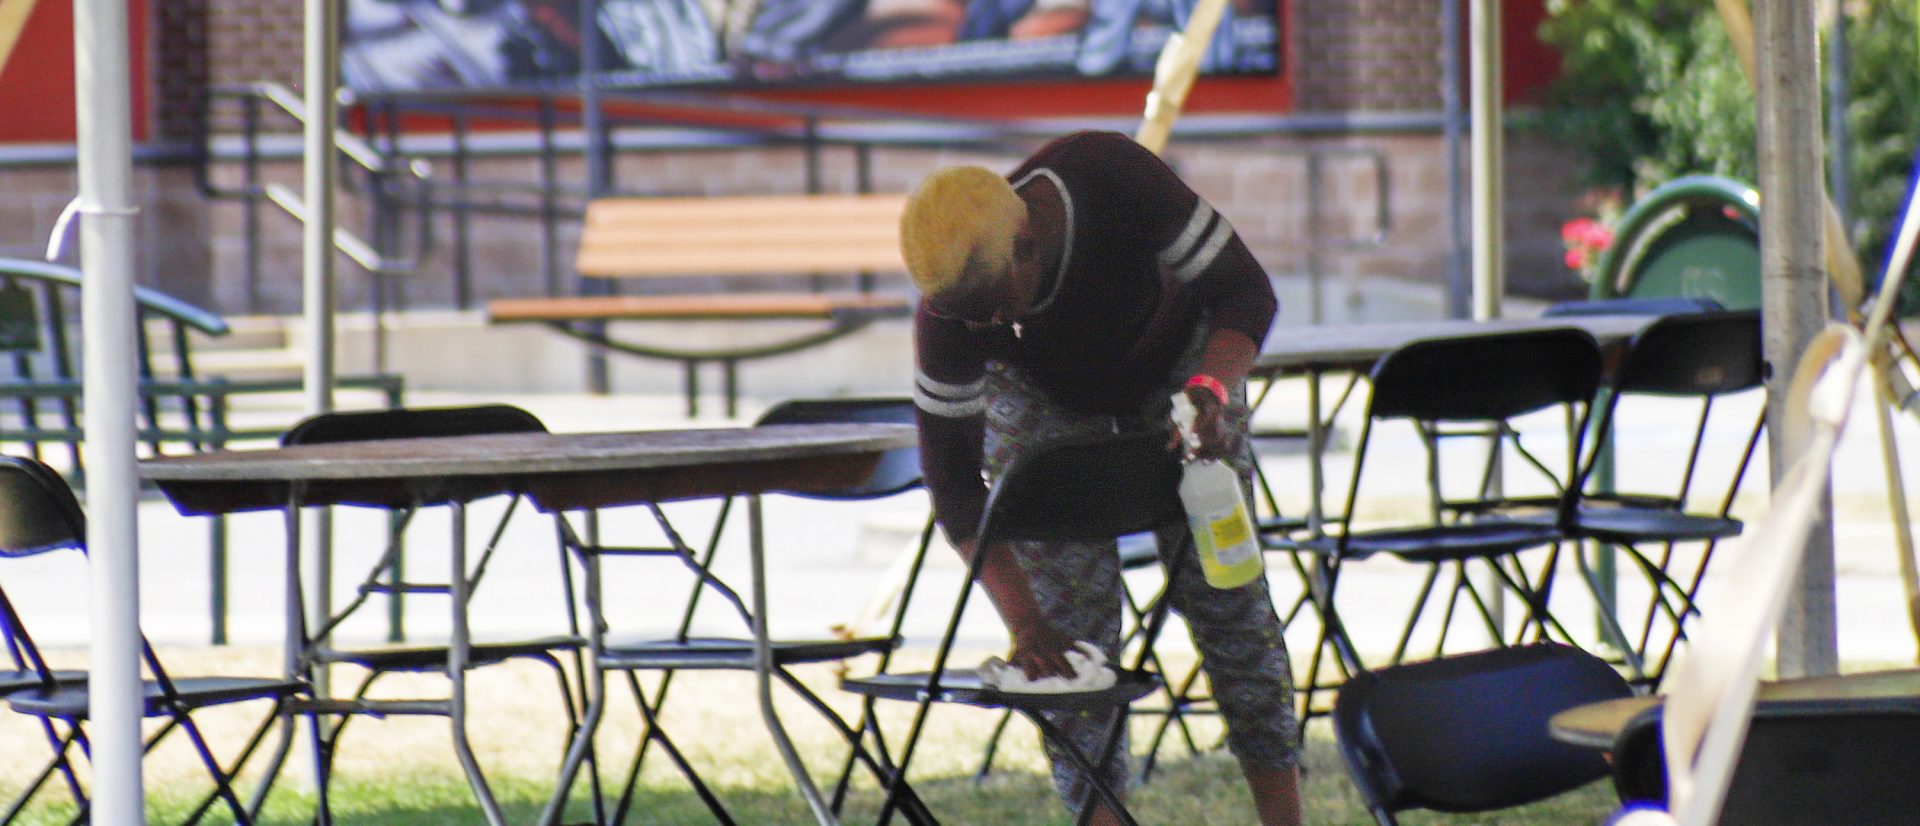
(1144, 256)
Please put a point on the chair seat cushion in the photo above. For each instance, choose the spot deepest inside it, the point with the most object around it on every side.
(434, 657)
(734, 654)
(70, 700)
(965, 686)
(1444, 543)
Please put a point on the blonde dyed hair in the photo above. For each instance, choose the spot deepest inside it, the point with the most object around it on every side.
(960, 220)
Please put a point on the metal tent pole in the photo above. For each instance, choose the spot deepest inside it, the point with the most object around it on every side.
(105, 145)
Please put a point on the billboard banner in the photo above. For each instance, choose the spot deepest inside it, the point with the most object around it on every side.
(423, 45)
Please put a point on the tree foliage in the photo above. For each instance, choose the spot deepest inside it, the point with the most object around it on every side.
(1651, 90)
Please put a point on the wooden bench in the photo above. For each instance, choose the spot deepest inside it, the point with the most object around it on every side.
(731, 236)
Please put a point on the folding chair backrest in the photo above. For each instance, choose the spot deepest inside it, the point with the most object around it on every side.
(397, 423)
(411, 423)
(38, 511)
(898, 470)
(1468, 733)
(1846, 761)
(1702, 354)
(1486, 377)
(1091, 489)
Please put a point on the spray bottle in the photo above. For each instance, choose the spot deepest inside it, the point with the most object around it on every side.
(1217, 511)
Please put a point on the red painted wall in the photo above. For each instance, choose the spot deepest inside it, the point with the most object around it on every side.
(1530, 63)
(37, 85)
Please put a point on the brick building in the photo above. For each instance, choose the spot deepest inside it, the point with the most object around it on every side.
(1358, 93)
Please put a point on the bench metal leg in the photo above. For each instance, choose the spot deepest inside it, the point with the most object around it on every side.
(692, 386)
(731, 373)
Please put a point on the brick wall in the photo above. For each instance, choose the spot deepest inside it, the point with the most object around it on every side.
(197, 249)
(1366, 55)
(254, 40)
(181, 63)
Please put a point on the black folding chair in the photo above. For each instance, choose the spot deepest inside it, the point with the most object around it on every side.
(388, 577)
(1703, 356)
(39, 514)
(1077, 490)
(898, 471)
(1472, 387)
(1843, 759)
(1468, 733)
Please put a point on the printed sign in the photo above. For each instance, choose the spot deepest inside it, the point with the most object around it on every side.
(411, 45)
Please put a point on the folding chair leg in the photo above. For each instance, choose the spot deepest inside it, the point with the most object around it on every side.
(276, 762)
(60, 763)
(1178, 699)
(1537, 612)
(1096, 788)
(993, 747)
(1413, 617)
(259, 796)
(915, 809)
(651, 731)
(223, 783)
(1609, 624)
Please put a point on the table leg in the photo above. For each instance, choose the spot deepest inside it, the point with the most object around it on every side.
(763, 668)
(458, 640)
(596, 686)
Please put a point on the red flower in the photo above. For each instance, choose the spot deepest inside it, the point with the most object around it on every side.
(1585, 239)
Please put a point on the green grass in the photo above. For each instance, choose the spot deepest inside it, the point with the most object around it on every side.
(401, 771)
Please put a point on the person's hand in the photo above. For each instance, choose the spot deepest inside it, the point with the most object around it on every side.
(1210, 422)
(1040, 650)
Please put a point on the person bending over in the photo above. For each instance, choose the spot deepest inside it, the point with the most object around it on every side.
(1075, 297)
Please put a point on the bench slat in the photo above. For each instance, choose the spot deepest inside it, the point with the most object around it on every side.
(790, 260)
(747, 208)
(721, 237)
(745, 235)
(734, 306)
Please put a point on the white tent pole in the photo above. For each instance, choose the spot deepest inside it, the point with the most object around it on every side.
(1793, 290)
(317, 253)
(1487, 147)
(105, 147)
(317, 259)
(1487, 224)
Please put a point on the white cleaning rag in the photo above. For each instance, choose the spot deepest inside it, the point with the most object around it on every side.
(1090, 673)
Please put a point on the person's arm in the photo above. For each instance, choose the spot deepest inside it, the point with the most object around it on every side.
(1039, 649)
(950, 408)
(1228, 358)
(1198, 247)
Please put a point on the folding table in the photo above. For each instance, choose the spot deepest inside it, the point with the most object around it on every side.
(560, 471)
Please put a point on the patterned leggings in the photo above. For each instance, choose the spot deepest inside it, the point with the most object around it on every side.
(1236, 632)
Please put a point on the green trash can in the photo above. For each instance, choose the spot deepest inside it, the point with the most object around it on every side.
(1692, 237)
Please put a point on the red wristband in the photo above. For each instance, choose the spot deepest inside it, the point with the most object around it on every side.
(1203, 380)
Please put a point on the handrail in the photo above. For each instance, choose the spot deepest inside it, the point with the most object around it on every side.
(149, 300)
(359, 250)
(349, 144)
(358, 150)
